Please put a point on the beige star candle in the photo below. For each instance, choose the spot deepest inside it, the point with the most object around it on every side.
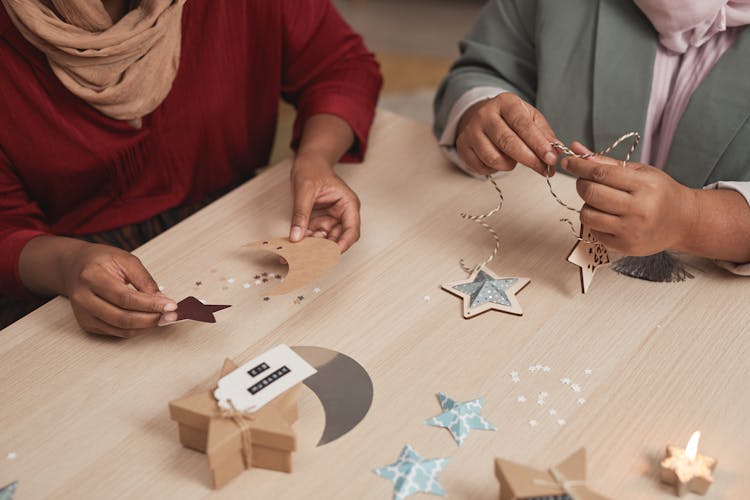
(686, 469)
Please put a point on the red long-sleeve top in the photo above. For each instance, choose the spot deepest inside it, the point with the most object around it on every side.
(66, 169)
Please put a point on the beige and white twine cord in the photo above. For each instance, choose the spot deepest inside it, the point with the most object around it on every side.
(481, 220)
(569, 152)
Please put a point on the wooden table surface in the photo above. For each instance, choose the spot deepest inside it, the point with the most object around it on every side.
(87, 416)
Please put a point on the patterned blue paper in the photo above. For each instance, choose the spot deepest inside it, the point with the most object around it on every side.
(7, 491)
(460, 418)
(485, 289)
(412, 474)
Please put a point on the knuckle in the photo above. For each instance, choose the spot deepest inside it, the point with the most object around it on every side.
(505, 142)
(587, 190)
(599, 173)
(124, 321)
(519, 121)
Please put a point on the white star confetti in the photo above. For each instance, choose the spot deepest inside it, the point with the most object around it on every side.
(231, 280)
(546, 369)
(514, 377)
(258, 282)
(581, 401)
(587, 371)
(246, 285)
(561, 422)
(12, 455)
(533, 423)
(532, 369)
(427, 298)
(521, 399)
(553, 412)
(316, 290)
(576, 388)
(566, 381)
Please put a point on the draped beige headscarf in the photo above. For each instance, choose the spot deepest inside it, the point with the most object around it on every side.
(124, 70)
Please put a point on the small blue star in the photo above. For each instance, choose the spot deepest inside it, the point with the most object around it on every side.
(412, 474)
(460, 418)
(7, 491)
(484, 291)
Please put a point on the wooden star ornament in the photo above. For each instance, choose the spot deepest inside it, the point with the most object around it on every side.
(484, 291)
(588, 254)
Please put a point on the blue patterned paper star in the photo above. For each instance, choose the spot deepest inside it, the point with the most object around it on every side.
(484, 291)
(7, 491)
(460, 418)
(412, 474)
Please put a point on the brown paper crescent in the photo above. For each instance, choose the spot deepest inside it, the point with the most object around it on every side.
(308, 260)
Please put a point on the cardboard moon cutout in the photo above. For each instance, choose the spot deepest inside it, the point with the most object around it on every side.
(343, 387)
(308, 260)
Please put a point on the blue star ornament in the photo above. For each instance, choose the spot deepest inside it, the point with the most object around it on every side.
(460, 418)
(485, 291)
(413, 474)
(7, 491)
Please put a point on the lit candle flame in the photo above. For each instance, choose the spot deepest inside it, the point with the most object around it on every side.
(691, 450)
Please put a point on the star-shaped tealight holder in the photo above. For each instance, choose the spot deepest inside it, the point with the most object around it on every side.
(588, 255)
(460, 418)
(484, 291)
(413, 474)
(194, 309)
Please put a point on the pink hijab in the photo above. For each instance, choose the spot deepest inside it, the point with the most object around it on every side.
(691, 23)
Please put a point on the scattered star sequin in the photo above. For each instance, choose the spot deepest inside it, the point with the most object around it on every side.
(12, 455)
(521, 399)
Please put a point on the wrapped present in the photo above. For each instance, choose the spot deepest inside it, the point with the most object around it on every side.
(564, 481)
(235, 441)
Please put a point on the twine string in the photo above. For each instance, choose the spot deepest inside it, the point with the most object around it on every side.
(242, 419)
(569, 152)
(560, 481)
(481, 220)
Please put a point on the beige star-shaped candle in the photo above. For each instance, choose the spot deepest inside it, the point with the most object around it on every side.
(588, 255)
(686, 469)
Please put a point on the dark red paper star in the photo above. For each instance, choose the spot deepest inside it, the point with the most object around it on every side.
(192, 308)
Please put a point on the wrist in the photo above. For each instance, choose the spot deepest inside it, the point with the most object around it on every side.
(689, 214)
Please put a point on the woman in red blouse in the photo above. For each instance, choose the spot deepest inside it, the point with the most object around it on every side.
(119, 117)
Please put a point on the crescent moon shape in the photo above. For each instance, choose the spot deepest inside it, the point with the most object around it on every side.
(343, 387)
(307, 260)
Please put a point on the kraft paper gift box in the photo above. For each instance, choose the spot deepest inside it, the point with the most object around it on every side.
(520, 482)
(268, 442)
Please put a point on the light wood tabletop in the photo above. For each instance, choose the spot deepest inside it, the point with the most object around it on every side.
(86, 417)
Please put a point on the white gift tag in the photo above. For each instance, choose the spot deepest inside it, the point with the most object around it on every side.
(261, 379)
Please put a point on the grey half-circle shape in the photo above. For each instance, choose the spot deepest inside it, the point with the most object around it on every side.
(343, 387)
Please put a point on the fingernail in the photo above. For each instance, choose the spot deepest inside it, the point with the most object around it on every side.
(564, 163)
(170, 307)
(167, 319)
(550, 158)
(296, 233)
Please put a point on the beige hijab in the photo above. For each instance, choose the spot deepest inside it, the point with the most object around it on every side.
(124, 70)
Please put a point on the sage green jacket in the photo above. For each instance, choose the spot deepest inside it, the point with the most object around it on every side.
(587, 65)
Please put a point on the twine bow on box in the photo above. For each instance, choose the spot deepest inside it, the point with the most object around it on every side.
(564, 481)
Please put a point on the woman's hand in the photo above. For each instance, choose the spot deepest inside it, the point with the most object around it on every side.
(324, 206)
(112, 293)
(636, 209)
(109, 289)
(497, 133)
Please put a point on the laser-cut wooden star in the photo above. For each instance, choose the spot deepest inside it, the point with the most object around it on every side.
(484, 291)
(192, 308)
(588, 257)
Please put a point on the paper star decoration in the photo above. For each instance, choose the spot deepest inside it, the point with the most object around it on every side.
(192, 308)
(412, 474)
(588, 257)
(7, 491)
(484, 291)
(460, 418)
